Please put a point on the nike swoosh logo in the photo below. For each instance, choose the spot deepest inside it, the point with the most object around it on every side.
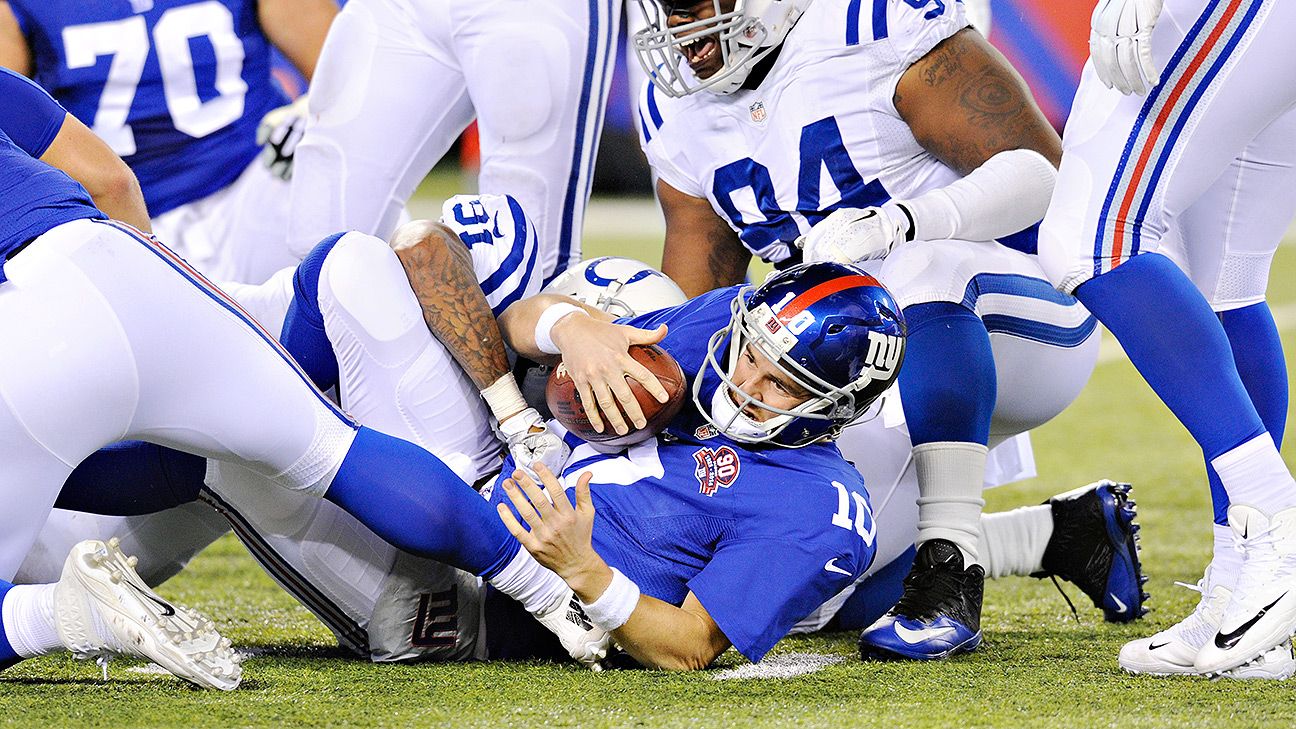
(829, 566)
(1120, 606)
(1154, 646)
(1226, 641)
(913, 637)
(497, 232)
(167, 610)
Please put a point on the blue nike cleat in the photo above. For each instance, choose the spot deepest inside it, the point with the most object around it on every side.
(1095, 547)
(939, 614)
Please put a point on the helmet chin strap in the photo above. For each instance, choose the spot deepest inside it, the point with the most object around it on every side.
(736, 423)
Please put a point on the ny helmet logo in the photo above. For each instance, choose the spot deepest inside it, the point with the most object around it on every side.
(883, 353)
(715, 468)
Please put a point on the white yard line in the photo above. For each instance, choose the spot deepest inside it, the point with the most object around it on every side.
(780, 666)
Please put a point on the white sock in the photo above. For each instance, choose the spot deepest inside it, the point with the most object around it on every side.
(950, 478)
(28, 614)
(1226, 561)
(527, 581)
(1254, 474)
(1013, 542)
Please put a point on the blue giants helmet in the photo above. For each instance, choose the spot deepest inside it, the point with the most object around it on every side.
(832, 328)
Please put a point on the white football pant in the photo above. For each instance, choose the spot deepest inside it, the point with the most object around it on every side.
(111, 337)
(1199, 170)
(238, 233)
(400, 80)
(395, 378)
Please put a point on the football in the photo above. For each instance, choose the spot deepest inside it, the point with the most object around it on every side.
(566, 406)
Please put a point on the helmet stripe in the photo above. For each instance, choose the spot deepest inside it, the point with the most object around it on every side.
(822, 291)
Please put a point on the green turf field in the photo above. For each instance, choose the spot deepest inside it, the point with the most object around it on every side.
(1038, 667)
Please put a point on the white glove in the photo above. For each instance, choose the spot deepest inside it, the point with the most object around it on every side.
(530, 441)
(848, 235)
(279, 132)
(1120, 44)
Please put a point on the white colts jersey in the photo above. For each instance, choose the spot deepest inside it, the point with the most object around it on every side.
(820, 132)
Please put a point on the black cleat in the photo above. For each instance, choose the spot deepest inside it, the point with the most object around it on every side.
(939, 614)
(1095, 547)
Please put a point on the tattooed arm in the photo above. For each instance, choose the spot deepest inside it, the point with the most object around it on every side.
(702, 252)
(965, 104)
(440, 271)
(968, 108)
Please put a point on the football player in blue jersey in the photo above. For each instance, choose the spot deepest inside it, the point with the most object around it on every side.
(177, 88)
(771, 521)
(109, 335)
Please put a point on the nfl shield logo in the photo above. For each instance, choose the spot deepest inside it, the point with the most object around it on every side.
(758, 111)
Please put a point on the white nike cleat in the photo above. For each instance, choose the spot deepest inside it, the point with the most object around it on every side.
(102, 608)
(583, 641)
(1172, 652)
(1262, 612)
(1276, 664)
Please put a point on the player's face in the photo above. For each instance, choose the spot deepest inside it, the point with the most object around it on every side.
(759, 378)
(703, 54)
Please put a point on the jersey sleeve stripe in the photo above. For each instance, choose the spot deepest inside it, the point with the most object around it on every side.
(526, 285)
(853, 12)
(653, 111)
(516, 253)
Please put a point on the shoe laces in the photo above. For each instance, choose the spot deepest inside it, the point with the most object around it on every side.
(926, 591)
(1262, 566)
(1199, 625)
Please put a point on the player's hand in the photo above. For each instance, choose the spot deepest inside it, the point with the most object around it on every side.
(531, 442)
(1120, 44)
(849, 235)
(279, 132)
(597, 357)
(557, 534)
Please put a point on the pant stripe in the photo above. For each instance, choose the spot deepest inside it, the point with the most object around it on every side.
(207, 287)
(600, 25)
(1205, 50)
(347, 630)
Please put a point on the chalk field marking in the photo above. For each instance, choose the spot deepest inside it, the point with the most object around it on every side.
(781, 666)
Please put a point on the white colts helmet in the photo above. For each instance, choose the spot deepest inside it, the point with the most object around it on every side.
(745, 35)
(620, 286)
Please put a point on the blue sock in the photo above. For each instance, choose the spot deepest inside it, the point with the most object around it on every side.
(947, 383)
(133, 477)
(8, 656)
(1257, 350)
(303, 332)
(1176, 342)
(411, 499)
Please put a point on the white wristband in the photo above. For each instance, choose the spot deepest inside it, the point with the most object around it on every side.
(504, 398)
(612, 609)
(545, 324)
